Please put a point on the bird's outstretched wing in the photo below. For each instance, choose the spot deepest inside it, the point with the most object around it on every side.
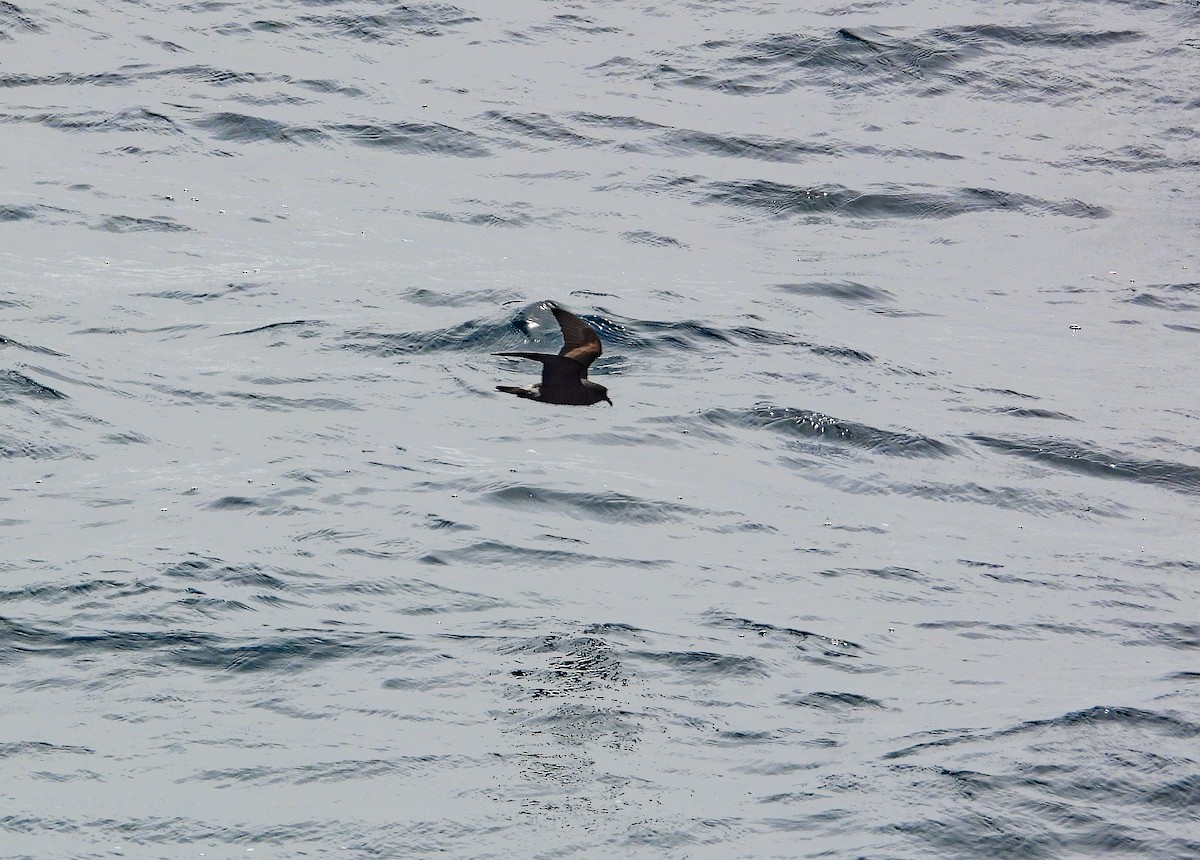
(580, 341)
(556, 369)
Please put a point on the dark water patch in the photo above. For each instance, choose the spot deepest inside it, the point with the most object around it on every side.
(647, 237)
(1159, 723)
(48, 593)
(181, 830)
(348, 770)
(778, 200)
(304, 327)
(789, 636)
(286, 654)
(705, 664)
(1019, 412)
(192, 297)
(1170, 565)
(808, 425)
(15, 748)
(986, 565)
(575, 724)
(422, 597)
(766, 148)
(842, 353)
(126, 438)
(1008, 393)
(570, 664)
(327, 87)
(69, 79)
(166, 45)
(220, 76)
(757, 147)
(691, 335)
(213, 607)
(12, 447)
(499, 216)
(244, 128)
(994, 60)
(131, 224)
(396, 26)
(499, 554)
(887, 573)
(197, 296)
(38, 212)
(203, 569)
(537, 126)
(13, 19)
(243, 503)
(8, 212)
(458, 299)
(1080, 458)
(1097, 718)
(626, 123)
(472, 336)
(1132, 158)
(275, 403)
(140, 120)
(412, 138)
(742, 528)
(833, 702)
(844, 291)
(1180, 636)
(608, 506)
(1036, 502)
(1042, 36)
(1170, 297)
(568, 23)
(1184, 328)
(15, 385)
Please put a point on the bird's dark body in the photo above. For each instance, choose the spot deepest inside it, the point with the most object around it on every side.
(564, 376)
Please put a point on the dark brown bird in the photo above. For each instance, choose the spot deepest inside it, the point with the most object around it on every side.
(564, 376)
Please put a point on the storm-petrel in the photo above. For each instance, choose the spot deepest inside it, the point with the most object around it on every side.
(564, 376)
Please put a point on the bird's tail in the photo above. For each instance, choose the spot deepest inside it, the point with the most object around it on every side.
(513, 389)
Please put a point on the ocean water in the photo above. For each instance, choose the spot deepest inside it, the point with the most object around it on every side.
(889, 546)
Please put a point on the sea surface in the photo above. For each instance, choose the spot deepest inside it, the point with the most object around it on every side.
(888, 548)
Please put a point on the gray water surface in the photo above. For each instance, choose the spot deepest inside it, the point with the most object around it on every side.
(887, 549)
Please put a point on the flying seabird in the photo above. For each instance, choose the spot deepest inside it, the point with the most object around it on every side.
(564, 376)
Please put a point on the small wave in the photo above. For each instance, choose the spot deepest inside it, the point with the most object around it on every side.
(414, 138)
(647, 237)
(703, 663)
(805, 424)
(492, 553)
(131, 224)
(472, 336)
(834, 702)
(1082, 459)
(306, 328)
(244, 128)
(844, 291)
(14, 385)
(1169, 297)
(791, 637)
(607, 507)
(397, 26)
(780, 200)
(538, 126)
(457, 299)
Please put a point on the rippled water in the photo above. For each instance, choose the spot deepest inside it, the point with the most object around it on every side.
(887, 547)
